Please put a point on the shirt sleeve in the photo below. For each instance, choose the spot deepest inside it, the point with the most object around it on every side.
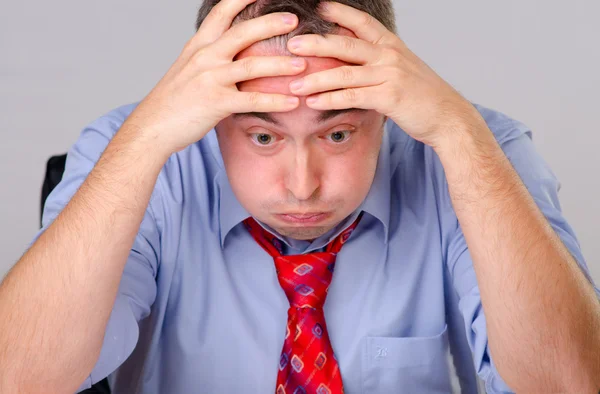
(544, 187)
(137, 288)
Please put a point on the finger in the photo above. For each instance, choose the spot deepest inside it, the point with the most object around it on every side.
(344, 99)
(337, 78)
(244, 34)
(362, 24)
(219, 20)
(259, 67)
(262, 102)
(347, 49)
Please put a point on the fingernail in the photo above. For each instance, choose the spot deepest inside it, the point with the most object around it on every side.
(289, 19)
(298, 62)
(312, 100)
(295, 43)
(297, 84)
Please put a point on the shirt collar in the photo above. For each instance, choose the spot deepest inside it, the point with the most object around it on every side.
(377, 202)
(231, 212)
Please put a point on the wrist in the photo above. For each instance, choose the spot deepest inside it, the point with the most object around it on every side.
(470, 155)
(466, 141)
(145, 143)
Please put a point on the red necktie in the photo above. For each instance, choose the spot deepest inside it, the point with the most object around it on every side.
(307, 363)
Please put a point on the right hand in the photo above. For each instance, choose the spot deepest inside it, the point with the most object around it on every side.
(200, 89)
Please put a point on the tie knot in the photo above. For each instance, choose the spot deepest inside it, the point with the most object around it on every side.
(306, 278)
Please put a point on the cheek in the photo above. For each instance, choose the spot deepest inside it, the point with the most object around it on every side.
(251, 176)
(233, 149)
(351, 176)
(249, 184)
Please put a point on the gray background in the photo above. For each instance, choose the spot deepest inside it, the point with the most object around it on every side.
(64, 63)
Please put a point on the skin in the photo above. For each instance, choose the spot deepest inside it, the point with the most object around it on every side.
(543, 318)
(303, 168)
(74, 269)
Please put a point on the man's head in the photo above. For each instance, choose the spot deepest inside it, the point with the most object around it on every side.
(301, 172)
(310, 22)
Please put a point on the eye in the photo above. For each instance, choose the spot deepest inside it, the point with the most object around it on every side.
(262, 139)
(339, 136)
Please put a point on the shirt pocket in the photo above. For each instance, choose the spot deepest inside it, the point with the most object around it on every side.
(406, 365)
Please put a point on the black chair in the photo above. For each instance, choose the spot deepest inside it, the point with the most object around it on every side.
(54, 172)
(55, 167)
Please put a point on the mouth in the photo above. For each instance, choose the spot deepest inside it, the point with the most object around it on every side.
(304, 218)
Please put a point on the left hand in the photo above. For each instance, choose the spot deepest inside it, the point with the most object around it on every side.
(388, 78)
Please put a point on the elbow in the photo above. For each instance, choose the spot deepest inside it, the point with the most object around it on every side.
(21, 377)
(33, 385)
(586, 379)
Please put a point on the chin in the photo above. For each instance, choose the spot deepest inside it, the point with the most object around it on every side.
(303, 233)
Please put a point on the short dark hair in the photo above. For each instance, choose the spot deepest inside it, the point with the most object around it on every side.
(309, 19)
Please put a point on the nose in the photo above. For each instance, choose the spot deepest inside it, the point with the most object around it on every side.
(303, 175)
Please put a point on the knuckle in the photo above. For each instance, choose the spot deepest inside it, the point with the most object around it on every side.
(198, 58)
(253, 98)
(204, 78)
(367, 19)
(400, 73)
(218, 13)
(394, 55)
(316, 40)
(351, 95)
(346, 73)
(188, 47)
(348, 44)
(247, 66)
(396, 96)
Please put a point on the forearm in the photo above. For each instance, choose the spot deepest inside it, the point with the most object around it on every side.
(543, 317)
(56, 301)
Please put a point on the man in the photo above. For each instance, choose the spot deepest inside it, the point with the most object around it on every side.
(194, 236)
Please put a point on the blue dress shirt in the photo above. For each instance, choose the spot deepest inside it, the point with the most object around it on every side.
(200, 309)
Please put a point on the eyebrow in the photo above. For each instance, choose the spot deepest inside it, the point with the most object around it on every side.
(322, 117)
(260, 115)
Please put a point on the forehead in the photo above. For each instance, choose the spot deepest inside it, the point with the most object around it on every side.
(280, 84)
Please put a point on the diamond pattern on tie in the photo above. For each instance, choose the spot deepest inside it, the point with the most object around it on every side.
(307, 363)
